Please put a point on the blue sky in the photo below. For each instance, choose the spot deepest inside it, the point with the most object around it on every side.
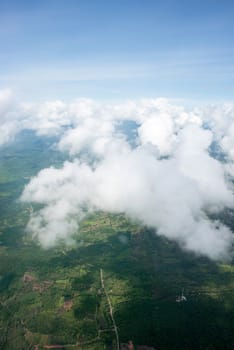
(118, 49)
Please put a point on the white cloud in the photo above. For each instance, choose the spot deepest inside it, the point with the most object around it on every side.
(220, 120)
(163, 174)
(168, 194)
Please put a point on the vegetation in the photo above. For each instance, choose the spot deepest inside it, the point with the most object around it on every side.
(56, 296)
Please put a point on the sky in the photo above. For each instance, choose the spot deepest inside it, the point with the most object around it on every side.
(115, 50)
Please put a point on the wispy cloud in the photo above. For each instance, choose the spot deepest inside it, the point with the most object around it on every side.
(198, 74)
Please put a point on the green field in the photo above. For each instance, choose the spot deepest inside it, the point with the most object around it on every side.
(56, 296)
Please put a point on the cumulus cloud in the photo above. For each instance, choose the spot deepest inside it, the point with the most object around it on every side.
(150, 159)
(164, 194)
(220, 120)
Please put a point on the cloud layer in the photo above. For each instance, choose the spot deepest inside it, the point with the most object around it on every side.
(150, 159)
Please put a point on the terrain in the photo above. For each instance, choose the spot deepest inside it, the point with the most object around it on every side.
(66, 296)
